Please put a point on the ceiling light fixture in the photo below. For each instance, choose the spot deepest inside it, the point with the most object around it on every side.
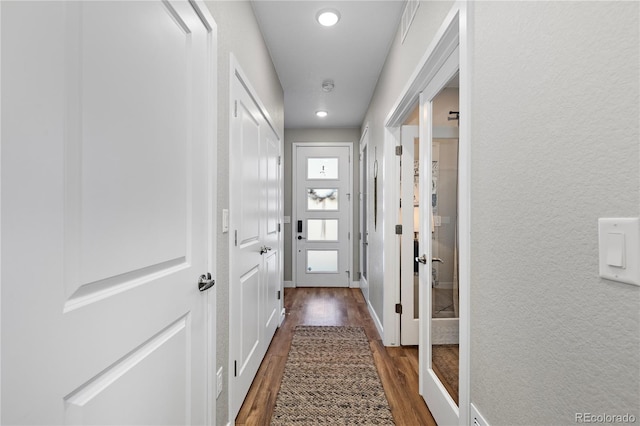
(322, 114)
(328, 17)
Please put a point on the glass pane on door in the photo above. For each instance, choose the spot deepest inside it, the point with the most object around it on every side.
(322, 230)
(322, 260)
(322, 199)
(322, 168)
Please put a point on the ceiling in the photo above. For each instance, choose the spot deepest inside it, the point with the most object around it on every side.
(351, 53)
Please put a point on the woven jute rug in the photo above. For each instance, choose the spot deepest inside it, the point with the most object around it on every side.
(330, 378)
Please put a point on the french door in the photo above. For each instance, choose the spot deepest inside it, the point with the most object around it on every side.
(107, 159)
(322, 221)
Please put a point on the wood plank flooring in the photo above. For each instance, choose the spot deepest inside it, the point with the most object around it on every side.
(397, 366)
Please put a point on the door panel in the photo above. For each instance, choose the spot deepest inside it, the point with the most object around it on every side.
(105, 159)
(323, 215)
(255, 252)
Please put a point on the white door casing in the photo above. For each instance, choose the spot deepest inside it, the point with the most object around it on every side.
(442, 406)
(107, 158)
(364, 213)
(322, 217)
(255, 264)
(409, 321)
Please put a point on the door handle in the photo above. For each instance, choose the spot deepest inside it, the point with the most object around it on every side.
(264, 249)
(205, 282)
(300, 237)
(423, 259)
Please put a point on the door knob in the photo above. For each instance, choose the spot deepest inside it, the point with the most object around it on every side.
(300, 237)
(264, 249)
(422, 259)
(205, 282)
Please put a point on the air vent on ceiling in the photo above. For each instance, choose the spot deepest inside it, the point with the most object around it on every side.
(407, 16)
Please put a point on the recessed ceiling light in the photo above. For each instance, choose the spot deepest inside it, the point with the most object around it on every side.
(328, 17)
(322, 114)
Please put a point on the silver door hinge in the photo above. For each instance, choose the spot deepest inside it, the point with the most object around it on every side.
(398, 308)
(399, 150)
(279, 160)
(278, 227)
(398, 229)
(235, 238)
(235, 108)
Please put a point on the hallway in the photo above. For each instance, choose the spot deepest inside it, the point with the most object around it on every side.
(397, 366)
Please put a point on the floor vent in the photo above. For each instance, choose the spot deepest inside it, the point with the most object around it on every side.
(407, 16)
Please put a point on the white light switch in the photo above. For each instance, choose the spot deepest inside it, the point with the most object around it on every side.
(225, 220)
(619, 241)
(615, 249)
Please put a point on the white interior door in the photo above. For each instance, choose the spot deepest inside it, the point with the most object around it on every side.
(409, 279)
(255, 284)
(106, 155)
(444, 409)
(322, 225)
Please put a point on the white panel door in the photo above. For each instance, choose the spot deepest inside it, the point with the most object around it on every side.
(105, 161)
(322, 228)
(255, 277)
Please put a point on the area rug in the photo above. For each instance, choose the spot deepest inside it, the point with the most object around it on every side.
(330, 378)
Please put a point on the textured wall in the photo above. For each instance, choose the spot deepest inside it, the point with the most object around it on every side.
(554, 147)
(238, 33)
(401, 62)
(292, 136)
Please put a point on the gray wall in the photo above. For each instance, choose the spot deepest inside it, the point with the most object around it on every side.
(238, 32)
(292, 136)
(554, 147)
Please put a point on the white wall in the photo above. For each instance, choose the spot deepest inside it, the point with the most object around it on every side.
(554, 147)
(238, 33)
(292, 136)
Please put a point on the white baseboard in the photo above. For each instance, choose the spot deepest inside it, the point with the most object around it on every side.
(288, 284)
(476, 418)
(355, 284)
(375, 318)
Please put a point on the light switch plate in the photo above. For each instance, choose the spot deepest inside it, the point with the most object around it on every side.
(618, 242)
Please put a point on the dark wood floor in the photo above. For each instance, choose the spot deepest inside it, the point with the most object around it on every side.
(397, 367)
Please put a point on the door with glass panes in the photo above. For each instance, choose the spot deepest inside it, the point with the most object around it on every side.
(321, 226)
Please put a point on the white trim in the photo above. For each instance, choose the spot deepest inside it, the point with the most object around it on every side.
(354, 284)
(288, 284)
(294, 217)
(375, 319)
(363, 179)
(391, 243)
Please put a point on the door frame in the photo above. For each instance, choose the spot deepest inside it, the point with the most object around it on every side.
(453, 33)
(294, 201)
(364, 224)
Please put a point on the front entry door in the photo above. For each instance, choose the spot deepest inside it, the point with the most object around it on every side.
(322, 225)
(106, 159)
